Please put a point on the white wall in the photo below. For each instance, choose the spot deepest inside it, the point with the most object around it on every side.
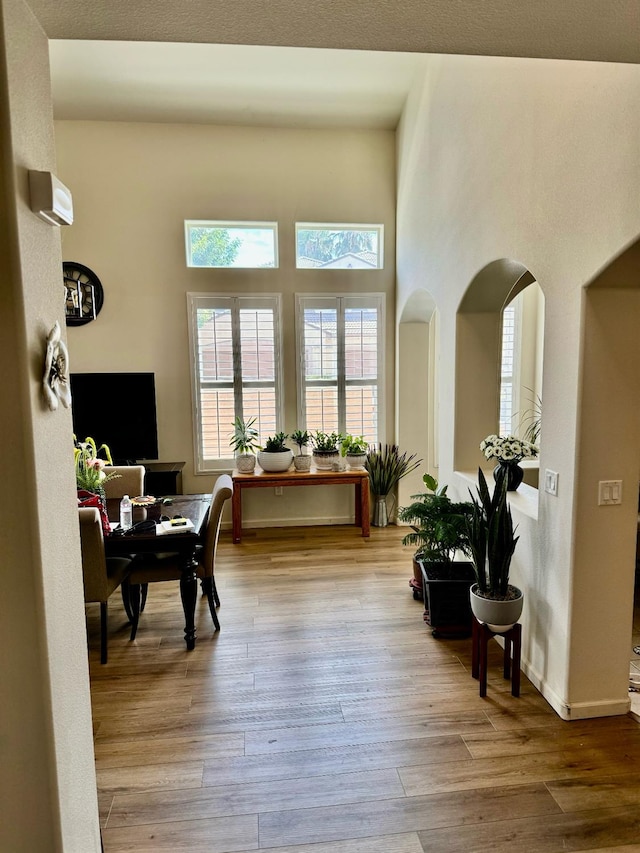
(47, 776)
(135, 184)
(537, 162)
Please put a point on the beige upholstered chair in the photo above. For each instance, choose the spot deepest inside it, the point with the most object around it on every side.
(129, 482)
(152, 568)
(101, 575)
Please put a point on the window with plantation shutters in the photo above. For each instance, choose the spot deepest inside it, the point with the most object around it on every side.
(340, 364)
(235, 342)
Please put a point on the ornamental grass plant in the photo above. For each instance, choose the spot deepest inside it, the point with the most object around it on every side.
(387, 466)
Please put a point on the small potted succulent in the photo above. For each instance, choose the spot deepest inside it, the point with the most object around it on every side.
(244, 441)
(354, 448)
(302, 460)
(275, 456)
(325, 449)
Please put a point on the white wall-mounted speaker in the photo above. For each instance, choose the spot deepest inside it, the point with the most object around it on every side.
(50, 199)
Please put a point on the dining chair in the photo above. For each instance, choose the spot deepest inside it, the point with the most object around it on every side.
(102, 575)
(152, 568)
(130, 481)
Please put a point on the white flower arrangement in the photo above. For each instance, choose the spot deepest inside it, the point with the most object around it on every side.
(507, 448)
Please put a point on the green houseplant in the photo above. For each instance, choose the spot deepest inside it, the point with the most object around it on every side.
(302, 460)
(492, 542)
(440, 531)
(275, 456)
(386, 467)
(325, 449)
(354, 448)
(244, 441)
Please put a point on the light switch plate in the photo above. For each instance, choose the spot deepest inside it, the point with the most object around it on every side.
(609, 492)
(551, 481)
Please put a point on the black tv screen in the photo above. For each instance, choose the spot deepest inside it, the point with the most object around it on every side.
(119, 410)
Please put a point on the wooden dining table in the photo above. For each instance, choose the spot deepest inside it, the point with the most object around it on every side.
(193, 507)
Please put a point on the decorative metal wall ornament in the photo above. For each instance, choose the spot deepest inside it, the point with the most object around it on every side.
(55, 382)
(84, 295)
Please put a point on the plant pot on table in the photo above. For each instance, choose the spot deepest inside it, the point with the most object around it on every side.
(274, 463)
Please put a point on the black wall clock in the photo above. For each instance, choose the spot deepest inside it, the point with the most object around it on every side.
(83, 293)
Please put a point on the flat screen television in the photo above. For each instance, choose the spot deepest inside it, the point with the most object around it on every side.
(119, 410)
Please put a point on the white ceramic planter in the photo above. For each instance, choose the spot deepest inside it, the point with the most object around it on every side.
(499, 616)
(245, 463)
(273, 463)
(302, 462)
(324, 459)
(356, 460)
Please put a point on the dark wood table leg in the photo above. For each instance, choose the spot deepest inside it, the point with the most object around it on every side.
(358, 497)
(189, 595)
(365, 512)
(517, 648)
(236, 512)
(507, 654)
(475, 641)
(484, 635)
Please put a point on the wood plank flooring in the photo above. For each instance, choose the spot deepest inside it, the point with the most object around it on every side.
(325, 718)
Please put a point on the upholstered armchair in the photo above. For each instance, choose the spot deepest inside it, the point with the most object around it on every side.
(102, 575)
(152, 568)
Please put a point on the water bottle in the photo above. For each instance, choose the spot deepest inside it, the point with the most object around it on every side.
(126, 513)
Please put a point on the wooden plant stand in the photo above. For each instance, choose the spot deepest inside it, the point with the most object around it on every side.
(481, 634)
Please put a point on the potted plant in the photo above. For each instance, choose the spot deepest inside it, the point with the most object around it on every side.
(275, 456)
(325, 449)
(244, 441)
(91, 476)
(440, 531)
(492, 541)
(354, 448)
(509, 450)
(302, 460)
(386, 467)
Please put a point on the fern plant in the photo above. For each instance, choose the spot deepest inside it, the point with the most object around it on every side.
(440, 525)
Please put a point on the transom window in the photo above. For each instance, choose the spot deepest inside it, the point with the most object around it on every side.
(322, 245)
(251, 245)
(340, 370)
(235, 344)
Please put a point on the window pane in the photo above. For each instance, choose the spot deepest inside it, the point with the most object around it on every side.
(361, 344)
(260, 403)
(506, 372)
(215, 347)
(322, 409)
(231, 244)
(321, 344)
(362, 411)
(217, 414)
(335, 246)
(257, 345)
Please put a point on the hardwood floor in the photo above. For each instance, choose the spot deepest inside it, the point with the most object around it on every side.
(325, 718)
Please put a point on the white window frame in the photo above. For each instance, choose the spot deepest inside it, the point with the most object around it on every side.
(235, 302)
(516, 356)
(340, 302)
(341, 226)
(212, 223)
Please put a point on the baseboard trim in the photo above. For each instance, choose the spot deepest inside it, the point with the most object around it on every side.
(575, 710)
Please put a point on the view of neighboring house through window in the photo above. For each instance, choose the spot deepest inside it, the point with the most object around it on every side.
(340, 347)
(337, 246)
(235, 343)
(251, 245)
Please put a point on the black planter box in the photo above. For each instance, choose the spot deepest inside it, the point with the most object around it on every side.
(445, 590)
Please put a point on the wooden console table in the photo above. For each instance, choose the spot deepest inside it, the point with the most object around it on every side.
(261, 479)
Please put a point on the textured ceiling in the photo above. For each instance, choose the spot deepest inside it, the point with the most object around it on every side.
(605, 30)
(229, 84)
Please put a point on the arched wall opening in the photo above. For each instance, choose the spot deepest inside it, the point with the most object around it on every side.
(478, 356)
(416, 389)
(608, 449)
